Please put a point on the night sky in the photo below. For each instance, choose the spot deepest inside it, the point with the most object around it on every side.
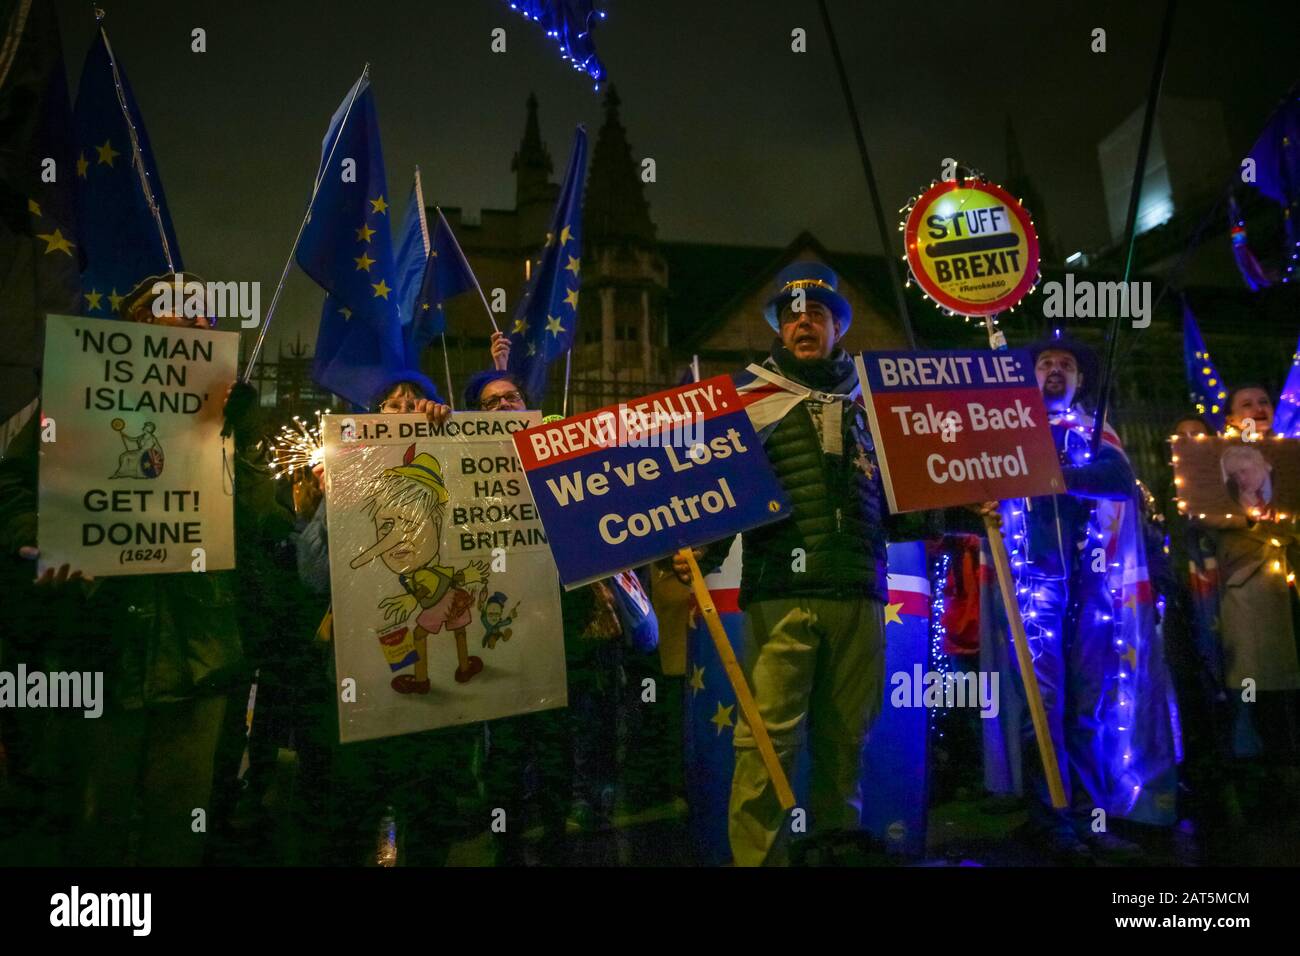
(751, 141)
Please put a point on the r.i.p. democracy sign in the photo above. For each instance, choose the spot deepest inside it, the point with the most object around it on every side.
(955, 428)
(626, 484)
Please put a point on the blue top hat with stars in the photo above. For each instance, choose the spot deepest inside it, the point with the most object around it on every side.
(819, 283)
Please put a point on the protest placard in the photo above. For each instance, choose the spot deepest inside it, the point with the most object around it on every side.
(134, 475)
(626, 484)
(445, 596)
(1227, 476)
(955, 428)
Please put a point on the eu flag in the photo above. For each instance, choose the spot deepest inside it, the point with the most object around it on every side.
(1208, 392)
(122, 219)
(446, 275)
(347, 248)
(1287, 420)
(412, 252)
(546, 319)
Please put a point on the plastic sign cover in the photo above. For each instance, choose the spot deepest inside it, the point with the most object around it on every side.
(445, 595)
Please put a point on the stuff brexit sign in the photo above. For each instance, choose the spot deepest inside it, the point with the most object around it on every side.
(956, 428)
(626, 484)
(971, 247)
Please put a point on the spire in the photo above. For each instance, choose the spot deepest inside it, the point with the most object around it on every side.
(532, 163)
(616, 206)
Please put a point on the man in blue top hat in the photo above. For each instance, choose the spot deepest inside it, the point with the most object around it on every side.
(812, 584)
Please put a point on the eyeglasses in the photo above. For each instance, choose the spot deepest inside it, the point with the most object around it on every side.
(492, 404)
(399, 405)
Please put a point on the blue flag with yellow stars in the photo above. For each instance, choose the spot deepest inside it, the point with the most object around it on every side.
(412, 252)
(347, 248)
(1204, 383)
(121, 237)
(546, 319)
(446, 275)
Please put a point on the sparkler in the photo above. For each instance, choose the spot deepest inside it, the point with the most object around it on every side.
(296, 446)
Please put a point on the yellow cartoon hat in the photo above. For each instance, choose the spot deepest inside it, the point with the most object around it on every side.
(423, 468)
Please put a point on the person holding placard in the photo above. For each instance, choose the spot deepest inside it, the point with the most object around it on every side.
(562, 759)
(1082, 582)
(1256, 551)
(421, 778)
(813, 584)
(168, 645)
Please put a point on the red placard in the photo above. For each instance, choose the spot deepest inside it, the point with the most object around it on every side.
(957, 428)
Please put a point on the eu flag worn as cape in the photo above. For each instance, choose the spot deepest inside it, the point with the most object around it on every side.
(119, 232)
(347, 248)
(546, 319)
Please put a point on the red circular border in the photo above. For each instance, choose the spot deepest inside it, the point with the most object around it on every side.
(938, 295)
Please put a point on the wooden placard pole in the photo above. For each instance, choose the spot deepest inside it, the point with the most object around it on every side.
(737, 677)
(1034, 697)
(1046, 749)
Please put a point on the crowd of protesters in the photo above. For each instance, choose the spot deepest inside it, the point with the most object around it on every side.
(172, 775)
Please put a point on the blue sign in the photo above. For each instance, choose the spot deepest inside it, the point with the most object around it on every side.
(626, 484)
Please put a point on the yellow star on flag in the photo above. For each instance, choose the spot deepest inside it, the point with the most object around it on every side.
(364, 233)
(55, 241)
(115, 300)
(363, 261)
(345, 312)
(571, 297)
(723, 717)
(574, 265)
(82, 165)
(107, 153)
(521, 327)
(697, 678)
(532, 349)
(378, 205)
(34, 207)
(1132, 603)
(381, 289)
(564, 235)
(891, 613)
(1131, 655)
(553, 325)
(92, 300)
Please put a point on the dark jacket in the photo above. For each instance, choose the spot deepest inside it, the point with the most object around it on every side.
(158, 638)
(838, 515)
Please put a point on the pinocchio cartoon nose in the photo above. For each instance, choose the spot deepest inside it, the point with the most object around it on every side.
(376, 549)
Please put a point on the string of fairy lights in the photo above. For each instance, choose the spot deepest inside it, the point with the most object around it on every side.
(974, 176)
(569, 23)
(1276, 561)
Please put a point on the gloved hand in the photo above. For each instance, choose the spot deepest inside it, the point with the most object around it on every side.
(241, 407)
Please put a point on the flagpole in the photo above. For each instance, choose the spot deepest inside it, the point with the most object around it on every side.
(568, 367)
(137, 156)
(482, 297)
(1130, 228)
(446, 362)
(288, 263)
(900, 299)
